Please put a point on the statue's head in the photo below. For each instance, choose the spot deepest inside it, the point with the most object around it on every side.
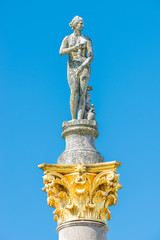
(77, 23)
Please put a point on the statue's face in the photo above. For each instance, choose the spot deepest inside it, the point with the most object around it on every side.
(80, 25)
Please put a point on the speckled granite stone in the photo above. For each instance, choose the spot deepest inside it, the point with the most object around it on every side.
(80, 142)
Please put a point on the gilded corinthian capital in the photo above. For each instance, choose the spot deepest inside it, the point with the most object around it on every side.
(81, 192)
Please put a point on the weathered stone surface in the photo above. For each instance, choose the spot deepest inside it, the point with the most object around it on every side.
(80, 142)
(82, 230)
(80, 55)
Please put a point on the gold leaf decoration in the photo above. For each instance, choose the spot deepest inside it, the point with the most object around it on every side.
(82, 192)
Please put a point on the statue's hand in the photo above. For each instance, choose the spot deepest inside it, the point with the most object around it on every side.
(79, 70)
(79, 46)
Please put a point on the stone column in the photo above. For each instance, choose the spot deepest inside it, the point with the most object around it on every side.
(87, 230)
(81, 186)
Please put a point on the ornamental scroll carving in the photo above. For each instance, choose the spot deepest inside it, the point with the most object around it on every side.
(81, 192)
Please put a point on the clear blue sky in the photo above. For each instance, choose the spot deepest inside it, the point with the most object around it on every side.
(34, 96)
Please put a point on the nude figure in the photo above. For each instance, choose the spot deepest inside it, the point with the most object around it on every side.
(80, 55)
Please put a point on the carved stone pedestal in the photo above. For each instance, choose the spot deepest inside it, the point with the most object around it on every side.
(80, 142)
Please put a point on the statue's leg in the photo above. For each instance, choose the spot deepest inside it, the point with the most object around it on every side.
(83, 88)
(73, 104)
(73, 83)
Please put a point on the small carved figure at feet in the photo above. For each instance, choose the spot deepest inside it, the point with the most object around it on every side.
(91, 113)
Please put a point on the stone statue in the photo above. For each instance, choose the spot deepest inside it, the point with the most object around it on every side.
(79, 49)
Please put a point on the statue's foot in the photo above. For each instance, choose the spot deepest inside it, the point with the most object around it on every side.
(80, 114)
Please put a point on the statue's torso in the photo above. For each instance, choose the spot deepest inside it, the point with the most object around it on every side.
(77, 57)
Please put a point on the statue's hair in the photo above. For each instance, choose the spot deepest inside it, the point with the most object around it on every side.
(74, 21)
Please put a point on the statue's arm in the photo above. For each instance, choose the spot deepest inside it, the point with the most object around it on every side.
(89, 53)
(64, 49)
(89, 58)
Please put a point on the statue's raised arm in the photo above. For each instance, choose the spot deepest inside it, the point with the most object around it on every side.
(80, 55)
